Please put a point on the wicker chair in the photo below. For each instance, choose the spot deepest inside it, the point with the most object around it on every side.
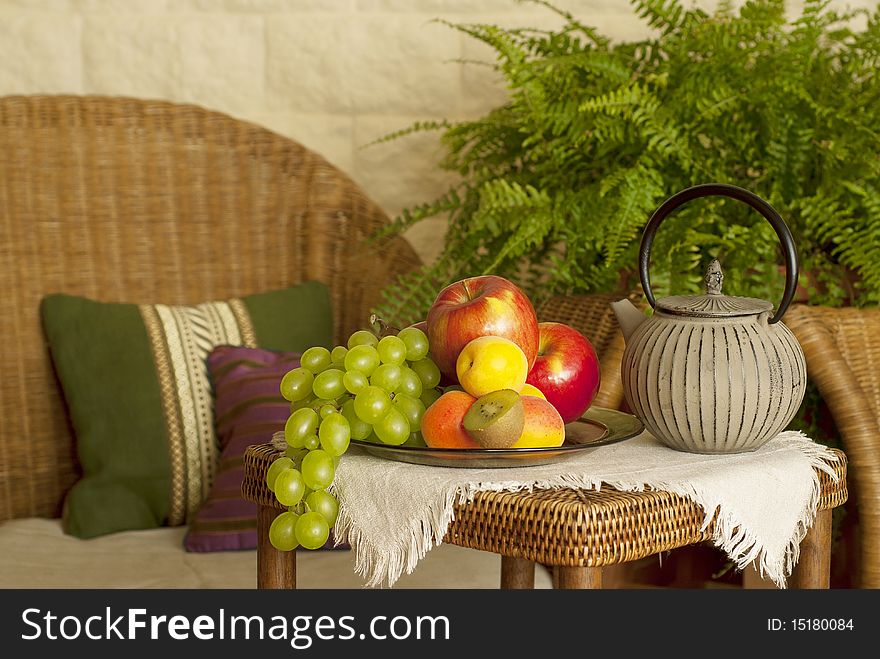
(842, 347)
(121, 199)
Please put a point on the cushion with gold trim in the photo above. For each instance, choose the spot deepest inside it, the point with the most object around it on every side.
(136, 386)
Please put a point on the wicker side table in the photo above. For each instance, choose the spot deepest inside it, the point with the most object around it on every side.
(575, 531)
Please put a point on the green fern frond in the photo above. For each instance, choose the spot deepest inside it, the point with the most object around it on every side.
(615, 102)
(446, 203)
(527, 235)
(496, 37)
(637, 197)
(604, 66)
(415, 127)
(855, 236)
(789, 156)
(664, 15)
(500, 194)
(407, 300)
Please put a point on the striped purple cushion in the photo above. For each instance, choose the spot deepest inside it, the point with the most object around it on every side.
(248, 409)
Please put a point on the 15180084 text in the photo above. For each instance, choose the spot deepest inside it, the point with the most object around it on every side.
(810, 624)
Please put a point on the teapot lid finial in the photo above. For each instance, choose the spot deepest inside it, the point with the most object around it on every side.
(714, 278)
(714, 303)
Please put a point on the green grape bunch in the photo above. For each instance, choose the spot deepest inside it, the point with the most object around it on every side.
(375, 388)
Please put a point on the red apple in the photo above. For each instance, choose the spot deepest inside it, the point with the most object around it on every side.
(480, 306)
(566, 370)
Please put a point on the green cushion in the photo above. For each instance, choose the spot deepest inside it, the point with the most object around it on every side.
(138, 394)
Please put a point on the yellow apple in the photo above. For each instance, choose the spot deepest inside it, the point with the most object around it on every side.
(490, 363)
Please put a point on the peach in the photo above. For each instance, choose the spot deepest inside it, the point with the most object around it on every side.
(543, 425)
(441, 423)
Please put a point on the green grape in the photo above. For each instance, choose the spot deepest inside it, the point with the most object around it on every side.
(416, 342)
(335, 434)
(300, 425)
(354, 381)
(321, 501)
(318, 469)
(362, 338)
(338, 354)
(327, 410)
(312, 530)
(289, 487)
(392, 350)
(359, 429)
(387, 376)
(312, 442)
(371, 404)
(315, 404)
(415, 439)
(373, 437)
(429, 396)
(300, 404)
(315, 359)
(328, 384)
(297, 384)
(427, 371)
(295, 454)
(410, 383)
(362, 358)
(282, 532)
(392, 429)
(412, 409)
(277, 466)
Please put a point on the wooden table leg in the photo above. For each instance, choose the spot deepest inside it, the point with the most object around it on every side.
(275, 569)
(517, 573)
(752, 579)
(577, 577)
(813, 569)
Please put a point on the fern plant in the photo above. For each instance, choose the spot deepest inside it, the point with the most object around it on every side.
(555, 186)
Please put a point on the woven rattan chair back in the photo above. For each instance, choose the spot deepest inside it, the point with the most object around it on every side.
(141, 201)
(842, 347)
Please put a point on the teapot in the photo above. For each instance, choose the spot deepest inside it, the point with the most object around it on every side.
(712, 373)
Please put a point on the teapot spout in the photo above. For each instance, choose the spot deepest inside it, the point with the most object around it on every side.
(628, 317)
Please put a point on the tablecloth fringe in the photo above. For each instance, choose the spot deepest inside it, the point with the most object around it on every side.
(385, 568)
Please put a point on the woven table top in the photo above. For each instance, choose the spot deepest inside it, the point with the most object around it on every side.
(578, 528)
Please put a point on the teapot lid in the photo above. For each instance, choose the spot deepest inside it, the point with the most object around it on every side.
(714, 304)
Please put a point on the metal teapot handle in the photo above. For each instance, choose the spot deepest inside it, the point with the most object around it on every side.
(734, 192)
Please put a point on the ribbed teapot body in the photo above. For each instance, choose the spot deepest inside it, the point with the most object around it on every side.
(713, 385)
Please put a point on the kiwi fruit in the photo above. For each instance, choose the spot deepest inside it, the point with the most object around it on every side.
(496, 419)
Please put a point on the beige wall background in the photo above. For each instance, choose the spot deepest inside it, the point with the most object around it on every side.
(332, 74)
